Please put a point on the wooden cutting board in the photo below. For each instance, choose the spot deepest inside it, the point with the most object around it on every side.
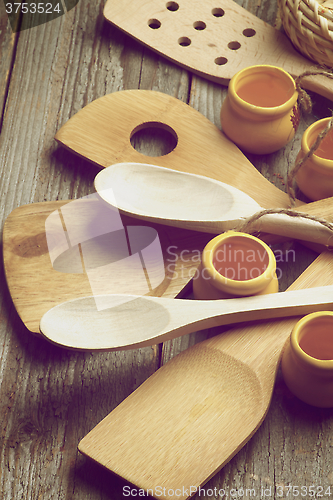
(36, 285)
(214, 39)
(198, 410)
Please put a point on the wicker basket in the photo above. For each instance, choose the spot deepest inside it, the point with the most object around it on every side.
(309, 26)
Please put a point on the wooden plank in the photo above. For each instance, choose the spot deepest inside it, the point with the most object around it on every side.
(8, 41)
(50, 398)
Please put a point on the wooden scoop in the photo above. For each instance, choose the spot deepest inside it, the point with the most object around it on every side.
(180, 199)
(192, 416)
(101, 133)
(127, 322)
(212, 39)
(102, 130)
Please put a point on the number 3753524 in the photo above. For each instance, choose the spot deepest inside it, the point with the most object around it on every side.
(33, 8)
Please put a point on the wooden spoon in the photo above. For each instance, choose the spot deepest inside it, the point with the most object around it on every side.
(127, 322)
(187, 420)
(213, 39)
(191, 201)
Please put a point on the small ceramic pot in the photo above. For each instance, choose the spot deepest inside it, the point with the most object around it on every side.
(315, 177)
(260, 113)
(235, 264)
(307, 361)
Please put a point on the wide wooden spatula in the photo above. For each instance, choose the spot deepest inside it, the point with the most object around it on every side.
(188, 419)
(212, 38)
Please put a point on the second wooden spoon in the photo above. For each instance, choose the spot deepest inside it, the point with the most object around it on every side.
(128, 322)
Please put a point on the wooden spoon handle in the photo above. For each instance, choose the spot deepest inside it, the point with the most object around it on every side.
(131, 322)
(296, 227)
(320, 84)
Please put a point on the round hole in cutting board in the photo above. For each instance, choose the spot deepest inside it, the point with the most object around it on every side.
(154, 139)
(199, 25)
(220, 61)
(249, 32)
(218, 12)
(154, 24)
(184, 41)
(173, 6)
(234, 45)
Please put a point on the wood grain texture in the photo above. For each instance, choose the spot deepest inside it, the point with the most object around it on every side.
(51, 398)
(8, 41)
(39, 394)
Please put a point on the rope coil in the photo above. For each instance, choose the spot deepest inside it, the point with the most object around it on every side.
(306, 106)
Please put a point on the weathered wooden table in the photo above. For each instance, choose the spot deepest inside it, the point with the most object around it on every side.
(50, 397)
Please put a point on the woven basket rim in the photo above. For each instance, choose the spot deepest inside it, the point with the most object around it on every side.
(308, 25)
(314, 9)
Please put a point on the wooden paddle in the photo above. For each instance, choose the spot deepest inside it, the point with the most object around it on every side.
(158, 194)
(101, 133)
(198, 410)
(212, 39)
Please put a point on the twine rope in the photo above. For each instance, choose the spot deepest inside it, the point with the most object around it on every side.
(304, 99)
(291, 175)
(245, 227)
(305, 104)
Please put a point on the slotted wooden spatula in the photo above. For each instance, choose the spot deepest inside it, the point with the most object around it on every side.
(195, 413)
(214, 38)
